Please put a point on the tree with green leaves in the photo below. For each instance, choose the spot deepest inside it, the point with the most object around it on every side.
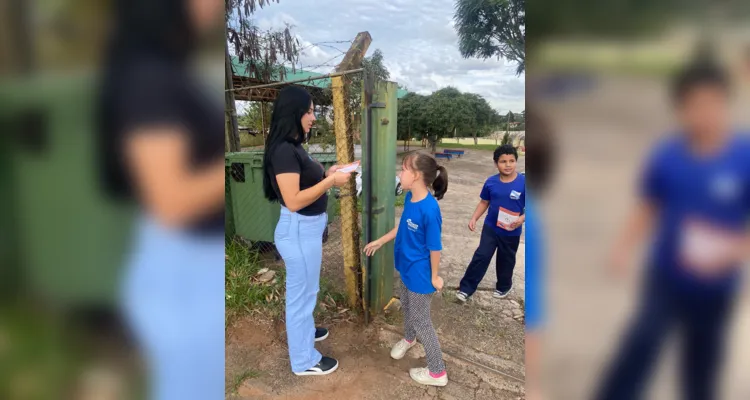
(373, 65)
(263, 53)
(484, 118)
(410, 121)
(492, 29)
(444, 113)
(506, 139)
(510, 118)
(254, 119)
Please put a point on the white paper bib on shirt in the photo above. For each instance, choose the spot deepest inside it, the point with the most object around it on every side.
(506, 217)
(702, 245)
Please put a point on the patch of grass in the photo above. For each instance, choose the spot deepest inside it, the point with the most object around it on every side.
(591, 58)
(244, 294)
(247, 140)
(336, 206)
(393, 317)
(488, 147)
(400, 200)
(39, 354)
(44, 351)
(331, 302)
(238, 379)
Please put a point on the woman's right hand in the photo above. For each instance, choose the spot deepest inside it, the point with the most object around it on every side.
(372, 247)
(341, 178)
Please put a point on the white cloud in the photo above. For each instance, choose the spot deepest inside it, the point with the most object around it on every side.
(417, 39)
(277, 20)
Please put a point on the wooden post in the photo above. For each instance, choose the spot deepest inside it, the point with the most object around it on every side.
(16, 47)
(345, 154)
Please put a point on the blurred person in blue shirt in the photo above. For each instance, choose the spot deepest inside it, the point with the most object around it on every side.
(540, 146)
(162, 147)
(694, 204)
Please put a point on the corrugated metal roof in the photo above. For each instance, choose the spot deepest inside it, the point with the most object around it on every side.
(241, 70)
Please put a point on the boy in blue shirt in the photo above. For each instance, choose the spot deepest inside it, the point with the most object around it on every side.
(503, 197)
(694, 204)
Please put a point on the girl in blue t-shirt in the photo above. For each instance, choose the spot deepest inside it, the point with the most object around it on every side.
(417, 258)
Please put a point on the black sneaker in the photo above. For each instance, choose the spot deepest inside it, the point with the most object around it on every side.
(324, 367)
(320, 334)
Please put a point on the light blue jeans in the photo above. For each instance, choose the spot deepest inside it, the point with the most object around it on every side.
(299, 240)
(173, 298)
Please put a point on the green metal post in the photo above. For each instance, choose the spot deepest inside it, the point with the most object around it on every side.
(8, 262)
(379, 290)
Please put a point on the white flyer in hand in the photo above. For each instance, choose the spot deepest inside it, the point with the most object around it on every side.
(702, 244)
(349, 167)
(506, 217)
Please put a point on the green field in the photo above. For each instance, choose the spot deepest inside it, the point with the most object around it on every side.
(440, 146)
(489, 147)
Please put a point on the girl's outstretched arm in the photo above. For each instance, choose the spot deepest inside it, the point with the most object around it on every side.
(372, 247)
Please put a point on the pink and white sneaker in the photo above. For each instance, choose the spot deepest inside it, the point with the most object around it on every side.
(423, 376)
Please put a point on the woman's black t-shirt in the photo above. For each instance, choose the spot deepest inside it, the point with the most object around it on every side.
(291, 158)
(155, 92)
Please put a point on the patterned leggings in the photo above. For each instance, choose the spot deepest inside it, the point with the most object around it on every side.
(418, 325)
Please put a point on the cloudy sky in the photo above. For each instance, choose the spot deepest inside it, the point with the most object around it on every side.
(419, 44)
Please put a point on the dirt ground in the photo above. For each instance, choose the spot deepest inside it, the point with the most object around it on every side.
(482, 341)
(603, 137)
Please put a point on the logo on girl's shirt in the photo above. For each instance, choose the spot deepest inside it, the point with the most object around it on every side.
(726, 187)
(515, 195)
(412, 226)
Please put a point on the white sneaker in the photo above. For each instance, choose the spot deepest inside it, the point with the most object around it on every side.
(422, 376)
(501, 295)
(399, 349)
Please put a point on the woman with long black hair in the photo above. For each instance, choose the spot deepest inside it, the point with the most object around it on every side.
(162, 147)
(299, 183)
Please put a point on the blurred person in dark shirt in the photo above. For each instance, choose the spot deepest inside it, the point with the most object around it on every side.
(161, 142)
(694, 204)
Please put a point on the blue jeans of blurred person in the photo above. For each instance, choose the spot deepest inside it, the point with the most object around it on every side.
(701, 320)
(299, 240)
(173, 297)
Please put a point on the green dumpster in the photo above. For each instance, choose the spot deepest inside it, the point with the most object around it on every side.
(71, 240)
(253, 217)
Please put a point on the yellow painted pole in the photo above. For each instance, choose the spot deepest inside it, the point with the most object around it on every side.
(349, 228)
